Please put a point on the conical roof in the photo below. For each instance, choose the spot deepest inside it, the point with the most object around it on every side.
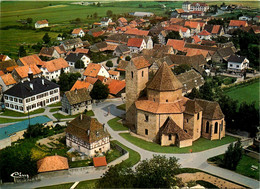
(164, 80)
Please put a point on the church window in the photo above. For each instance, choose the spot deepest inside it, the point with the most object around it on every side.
(207, 127)
(170, 137)
(166, 100)
(198, 116)
(216, 128)
(146, 131)
(187, 120)
(132, 75)
(142, 73)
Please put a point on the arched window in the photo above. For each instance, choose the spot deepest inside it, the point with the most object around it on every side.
(198, 116)
(207, 127)
(170, 137)
(216, 128)
(132, 74)
(142, 73)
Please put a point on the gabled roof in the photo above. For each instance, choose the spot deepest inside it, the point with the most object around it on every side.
(60, 49)
(192, 107)
(192, 24)
(80, 50)
(193, 52)
(112, 72)
(238, 23)
(8, 66)
(164, 80)
(99, 161)
(135, 42)
(204, 33)
(52, 163)
(225, 52)
(140, 62)
(196, 39)
(55, 65)
(170, 127)
(72, 41)
(91, 80)
(204, 47)
(122, 19)
(135, 31)
(122, 65)
(236, 58)
(31, 59)
(176, 44)
(176, 28)
(40, 22)
(175, 20)
(8, 79)
(216, 29)
(46, 51)
(77, 30)
(22, 71)
(78, 96)
(92, 70)
(97, 34)
(80, 84)
(115, 86)
(87, 129)
(122, 48)
(74, 57)
(23, 89)
(211, 110)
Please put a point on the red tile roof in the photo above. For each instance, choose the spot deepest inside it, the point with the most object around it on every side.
(22, 71)
(115, 86)
(204, 33)
(52, 163)
(215, 29)
(99, 161)
(76, 30)
(79, 50)
(112, 72)
(175, 20)
(193, 52)
(135, 42)
(122, 19)
(42, 22)
(91, 80)
(97, 34)
(135, 31)
(55, 65)
(1, 72)
(191, 24)
(80, 84)
(140, 62)
(8, 79)
(176, 44)
(176, 28)
(238, 23)
(196, 39)
(32, 59)
(92, 70)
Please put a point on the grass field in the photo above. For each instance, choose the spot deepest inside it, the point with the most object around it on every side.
(197, 146)
(18, 114)
(245, 93)
(115, 125)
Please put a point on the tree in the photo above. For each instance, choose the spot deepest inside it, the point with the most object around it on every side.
(29, 20)
(127, 58)
(109, 64)
(67, 80)
(99, 91)
(206, 91)
(99, 4)
(95, 15)
(140, 5)
(233, 155)
(181, 69)
(34, 131)
(194, 94)
(109, 13)
(22, 51)
(158, 172)
(46, 38)
(173, 35)
(79, 64)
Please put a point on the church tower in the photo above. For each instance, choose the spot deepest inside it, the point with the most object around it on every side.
(136, 79)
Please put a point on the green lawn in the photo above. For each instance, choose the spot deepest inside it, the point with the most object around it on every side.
(121, 107)
(18, 114)
(245, 93)
(88, 184)
(244, 166)
(5, 120)
(54, 109)
(90, 113)
(61, 116)
(54, 105)
(60, 186)
(81, 163)
(197, 146)
(115, 125)
(134, 157)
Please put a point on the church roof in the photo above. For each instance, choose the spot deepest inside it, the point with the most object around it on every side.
(192, 107)
(164, 80)
(211, 110)
(170, 127)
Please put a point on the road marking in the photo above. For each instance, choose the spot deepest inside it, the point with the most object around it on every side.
(74, 185)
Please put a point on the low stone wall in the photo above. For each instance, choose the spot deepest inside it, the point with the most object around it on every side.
(252, 154)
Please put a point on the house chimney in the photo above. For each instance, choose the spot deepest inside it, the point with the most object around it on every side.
(42, 81)
(30, 74)
(31, 86)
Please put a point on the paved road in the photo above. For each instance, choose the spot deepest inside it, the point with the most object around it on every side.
(194, 160)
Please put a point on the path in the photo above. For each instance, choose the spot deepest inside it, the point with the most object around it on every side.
(193, 160)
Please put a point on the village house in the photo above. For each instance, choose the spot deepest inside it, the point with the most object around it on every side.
(135, 31)
(105, 21)
(114, 74)
(177, 45)
(76, 101)
(6, 82)
(214, 30)
(237, 63)
(31, 95)
(8, 66)
(121, 50)
(186, 16)
(234, 24)
(102, 46)
(78, 32)
(222, 54)
(122, 21)
(183, 31)
(199, 6)
(72, 58)
(21, 73)
(52, 69)
(53, 52)
(156, 63)
(116, 88)
(165, 116)
(206, 54)
(87, 135)
(194, 26)
(82, 84)
(136, 45)
(4, 58)
(94, 70)
(72, 43)
(30, 60)
(186, 5)
(96, 32)
(41, 24)
(204, 35)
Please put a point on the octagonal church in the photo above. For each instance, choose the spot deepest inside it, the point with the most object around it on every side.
(158, 112)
